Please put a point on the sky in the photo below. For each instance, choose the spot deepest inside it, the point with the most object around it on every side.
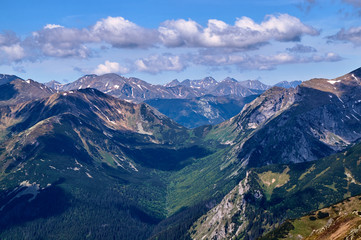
(161, 40)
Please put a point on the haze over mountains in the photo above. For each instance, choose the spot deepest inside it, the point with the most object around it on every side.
(80, 163)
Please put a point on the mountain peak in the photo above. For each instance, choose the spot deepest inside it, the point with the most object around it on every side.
(173, 83)
(254, 84)
(229, 79)
(4, 78)
(287, 84)
(209, 79)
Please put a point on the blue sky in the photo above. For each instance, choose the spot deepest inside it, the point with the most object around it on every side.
(161, 40)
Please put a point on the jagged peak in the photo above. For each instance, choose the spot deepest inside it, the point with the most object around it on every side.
(229, 79)
(53, 81)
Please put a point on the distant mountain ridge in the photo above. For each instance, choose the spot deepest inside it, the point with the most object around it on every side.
(205, 110)
(137, 90)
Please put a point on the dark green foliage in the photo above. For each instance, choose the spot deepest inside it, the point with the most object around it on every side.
(167, 159)
(321, 215)
(280, 232)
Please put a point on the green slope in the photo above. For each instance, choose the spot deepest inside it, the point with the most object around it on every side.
(274, 193)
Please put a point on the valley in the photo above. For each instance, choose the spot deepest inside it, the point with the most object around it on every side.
(90, 159)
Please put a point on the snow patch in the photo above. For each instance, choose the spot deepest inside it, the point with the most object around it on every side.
(354, 77)
(89, 176)
(77, 163)
(133, 167)
(334, 81)
(339, 99)
(116, 86)
(355, 117)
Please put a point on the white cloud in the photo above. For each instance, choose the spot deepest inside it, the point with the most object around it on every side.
(244, 34)
(120, 32)
(352, 35)
(10, 48)
(110, 67)
(158, 63)
(13, 52)
(51, 26)
(57, 41)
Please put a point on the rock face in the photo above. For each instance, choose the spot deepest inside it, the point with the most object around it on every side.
(217, 224)
(314, 120)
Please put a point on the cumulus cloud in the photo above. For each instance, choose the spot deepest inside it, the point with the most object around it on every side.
(120, 32)
(300, 48)
(110, 67)
(57, 41)
(10, 48)
(244, 34)
(14, 52)
(352, 35)
(159, 63)
(61, 42)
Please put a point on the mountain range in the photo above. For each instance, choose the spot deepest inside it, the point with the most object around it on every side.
(79, 162)
(136, 90)
(227, 96)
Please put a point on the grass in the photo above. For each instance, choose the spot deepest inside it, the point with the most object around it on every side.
(311, 169)
(270, 180)
(345, 217)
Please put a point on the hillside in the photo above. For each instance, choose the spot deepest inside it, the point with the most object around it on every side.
(269, 195)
